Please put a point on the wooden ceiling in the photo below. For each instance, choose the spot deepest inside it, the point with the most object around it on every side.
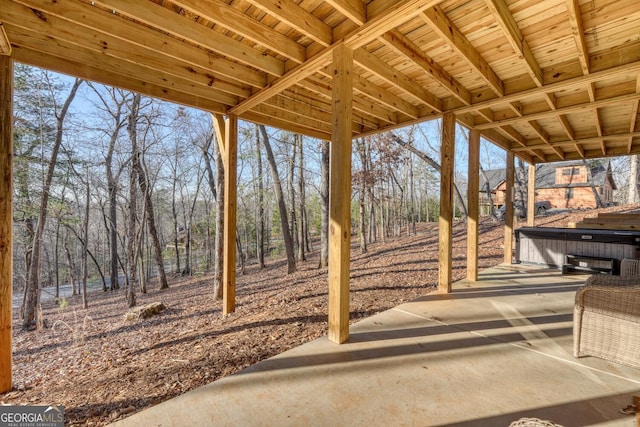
(548, 79)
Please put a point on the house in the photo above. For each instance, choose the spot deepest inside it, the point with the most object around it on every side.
(563, 184)
(572, 184)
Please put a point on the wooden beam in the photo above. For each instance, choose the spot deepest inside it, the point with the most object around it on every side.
(577, 29)
(354, 10)
(570, 109)
(531, 196)
(501, 12)
(508, 210)
(54, 62)
(298, 18)
(620, 71)
(6, 218)
(445, 222)
(219, 126)
(473, 192)
(230, 157)
(220, 13)
(438, 20)
(157, 16)
(340, 195)
(392, 76)
(5, 45)
(166, 49)
(401, 44)
(635, 107)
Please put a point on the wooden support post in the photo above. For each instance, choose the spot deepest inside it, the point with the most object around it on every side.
(340, 195)
(508, 210)
(531, 196)
(445, 223)
(6, 218)
(473, 190)
(230, 156)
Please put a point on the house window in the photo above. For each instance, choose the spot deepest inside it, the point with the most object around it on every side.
(570, 171)
(568, 193)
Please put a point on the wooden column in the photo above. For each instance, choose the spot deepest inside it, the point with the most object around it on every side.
(445, 223)
(340, 195)
(473, 190)
(508, 211)
(6, 218)
(230, 157)
(531, 196)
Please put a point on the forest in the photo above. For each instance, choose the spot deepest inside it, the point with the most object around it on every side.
(116, 190)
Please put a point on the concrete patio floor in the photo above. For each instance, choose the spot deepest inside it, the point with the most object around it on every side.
(489, 353)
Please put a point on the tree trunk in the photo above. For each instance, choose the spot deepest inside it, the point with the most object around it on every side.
(133, 204)
(85, 243)
(260, 215)
(324, 205)
(286, 234)
(487, 189)
(594, 190)
(32, 300)
(633, 195)
(292, 196)
(301, 205)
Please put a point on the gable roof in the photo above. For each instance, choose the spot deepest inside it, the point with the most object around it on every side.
(495, 177)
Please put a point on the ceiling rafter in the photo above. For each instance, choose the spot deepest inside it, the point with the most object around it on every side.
(577, 29)
(396, 40)
(503, 15)
(392, 76)
(222, 14)
(447, 30)
(549, 89)
(617, 99)
(5, 45)
(71, 52)
(545, 137)
(162, 18)
(168, 48)
(133, 83)
(534, 144)
(298, 18)
(564, 121)
(354, 10)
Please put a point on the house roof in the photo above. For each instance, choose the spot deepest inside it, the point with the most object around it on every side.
(549, 80)
(495, 178)
(546, 174)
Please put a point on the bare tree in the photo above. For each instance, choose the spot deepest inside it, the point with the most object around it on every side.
(324, 205)
(286, 231)
(32, 290)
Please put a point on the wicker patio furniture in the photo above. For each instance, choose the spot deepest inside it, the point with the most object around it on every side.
(606, 321)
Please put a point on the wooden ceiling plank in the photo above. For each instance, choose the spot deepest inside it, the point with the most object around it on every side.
(384, 16)
(513, 134)
(603, 102)
(501, 12)
(396, 40)
(5, 45)
(165, 20)
(577, 29)
(137, 84)
(548, 90)
(447, 30)
(234, 20)
(167, 47)
(623, 136)
(71, 52)
(297, 18)
(539, 130)
(380, 68)
(115, 48)
(292, 118)
(354, 10)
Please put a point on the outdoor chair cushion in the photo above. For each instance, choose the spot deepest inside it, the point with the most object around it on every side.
(606, 321)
